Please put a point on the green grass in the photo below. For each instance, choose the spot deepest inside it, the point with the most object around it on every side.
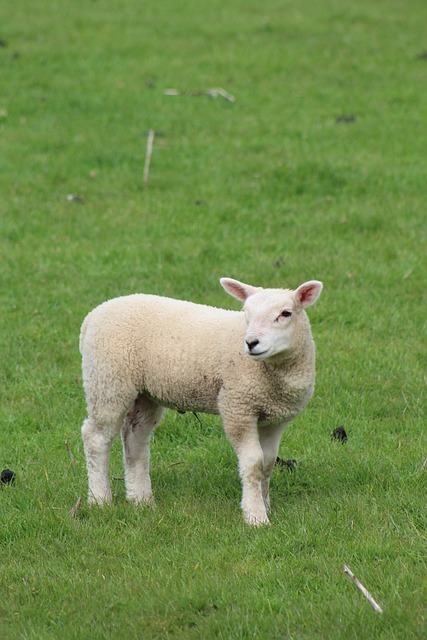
(271, 190)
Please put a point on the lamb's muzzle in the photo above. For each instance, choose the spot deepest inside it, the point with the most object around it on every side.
(251, 345)
(258, 374)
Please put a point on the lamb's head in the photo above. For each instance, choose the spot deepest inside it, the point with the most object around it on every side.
(276, 320)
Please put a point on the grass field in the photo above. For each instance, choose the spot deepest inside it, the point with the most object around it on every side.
(316, 171)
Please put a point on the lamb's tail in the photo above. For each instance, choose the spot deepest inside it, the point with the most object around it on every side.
(83, 332)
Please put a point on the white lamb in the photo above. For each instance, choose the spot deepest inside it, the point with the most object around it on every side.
(142, 353)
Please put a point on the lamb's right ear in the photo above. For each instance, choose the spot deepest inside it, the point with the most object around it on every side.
(238, 289)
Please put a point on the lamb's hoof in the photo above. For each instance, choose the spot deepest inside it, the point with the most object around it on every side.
(100, 501)
(142, 501)
(256, 520)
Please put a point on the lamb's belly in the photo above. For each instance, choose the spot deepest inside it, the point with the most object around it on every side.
(193, 399)
(184, 397)
(198, 406)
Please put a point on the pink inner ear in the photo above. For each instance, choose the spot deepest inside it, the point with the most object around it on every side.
(308, 293)
(237, 289)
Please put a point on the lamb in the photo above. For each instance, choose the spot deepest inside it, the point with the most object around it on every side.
(143, 353)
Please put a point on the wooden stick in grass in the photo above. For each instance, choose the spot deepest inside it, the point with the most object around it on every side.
(67, 444)
(360, 586)
(148, 156)
(74, 510)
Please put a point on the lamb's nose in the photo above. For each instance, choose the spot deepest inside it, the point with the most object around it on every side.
(252, 345)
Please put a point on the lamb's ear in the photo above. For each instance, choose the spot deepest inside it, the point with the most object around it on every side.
(308, 293)
(238, 289)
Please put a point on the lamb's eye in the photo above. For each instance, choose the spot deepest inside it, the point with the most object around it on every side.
(283, 314)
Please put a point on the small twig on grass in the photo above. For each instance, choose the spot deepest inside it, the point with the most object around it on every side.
(212, 93)
(150, 140)
(423, 466)
(218, 91)
(74, 510)
(67, 444)
(360, 586)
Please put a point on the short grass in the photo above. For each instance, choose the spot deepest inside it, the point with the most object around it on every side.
(273, 189)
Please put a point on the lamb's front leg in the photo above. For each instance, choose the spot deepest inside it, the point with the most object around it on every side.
(245, 440)
(270, 436)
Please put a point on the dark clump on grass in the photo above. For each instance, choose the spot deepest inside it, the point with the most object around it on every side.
(339, 434)
(287, 464)
(7, 476)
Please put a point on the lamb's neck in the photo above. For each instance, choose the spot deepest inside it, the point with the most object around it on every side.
(301, 356)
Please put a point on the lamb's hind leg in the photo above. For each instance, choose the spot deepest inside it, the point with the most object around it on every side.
(138, 427)
(97, 444)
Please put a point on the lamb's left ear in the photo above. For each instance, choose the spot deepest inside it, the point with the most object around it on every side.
(308, 293)
(237, 289)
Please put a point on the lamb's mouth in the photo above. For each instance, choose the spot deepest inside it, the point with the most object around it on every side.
(257, 355)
